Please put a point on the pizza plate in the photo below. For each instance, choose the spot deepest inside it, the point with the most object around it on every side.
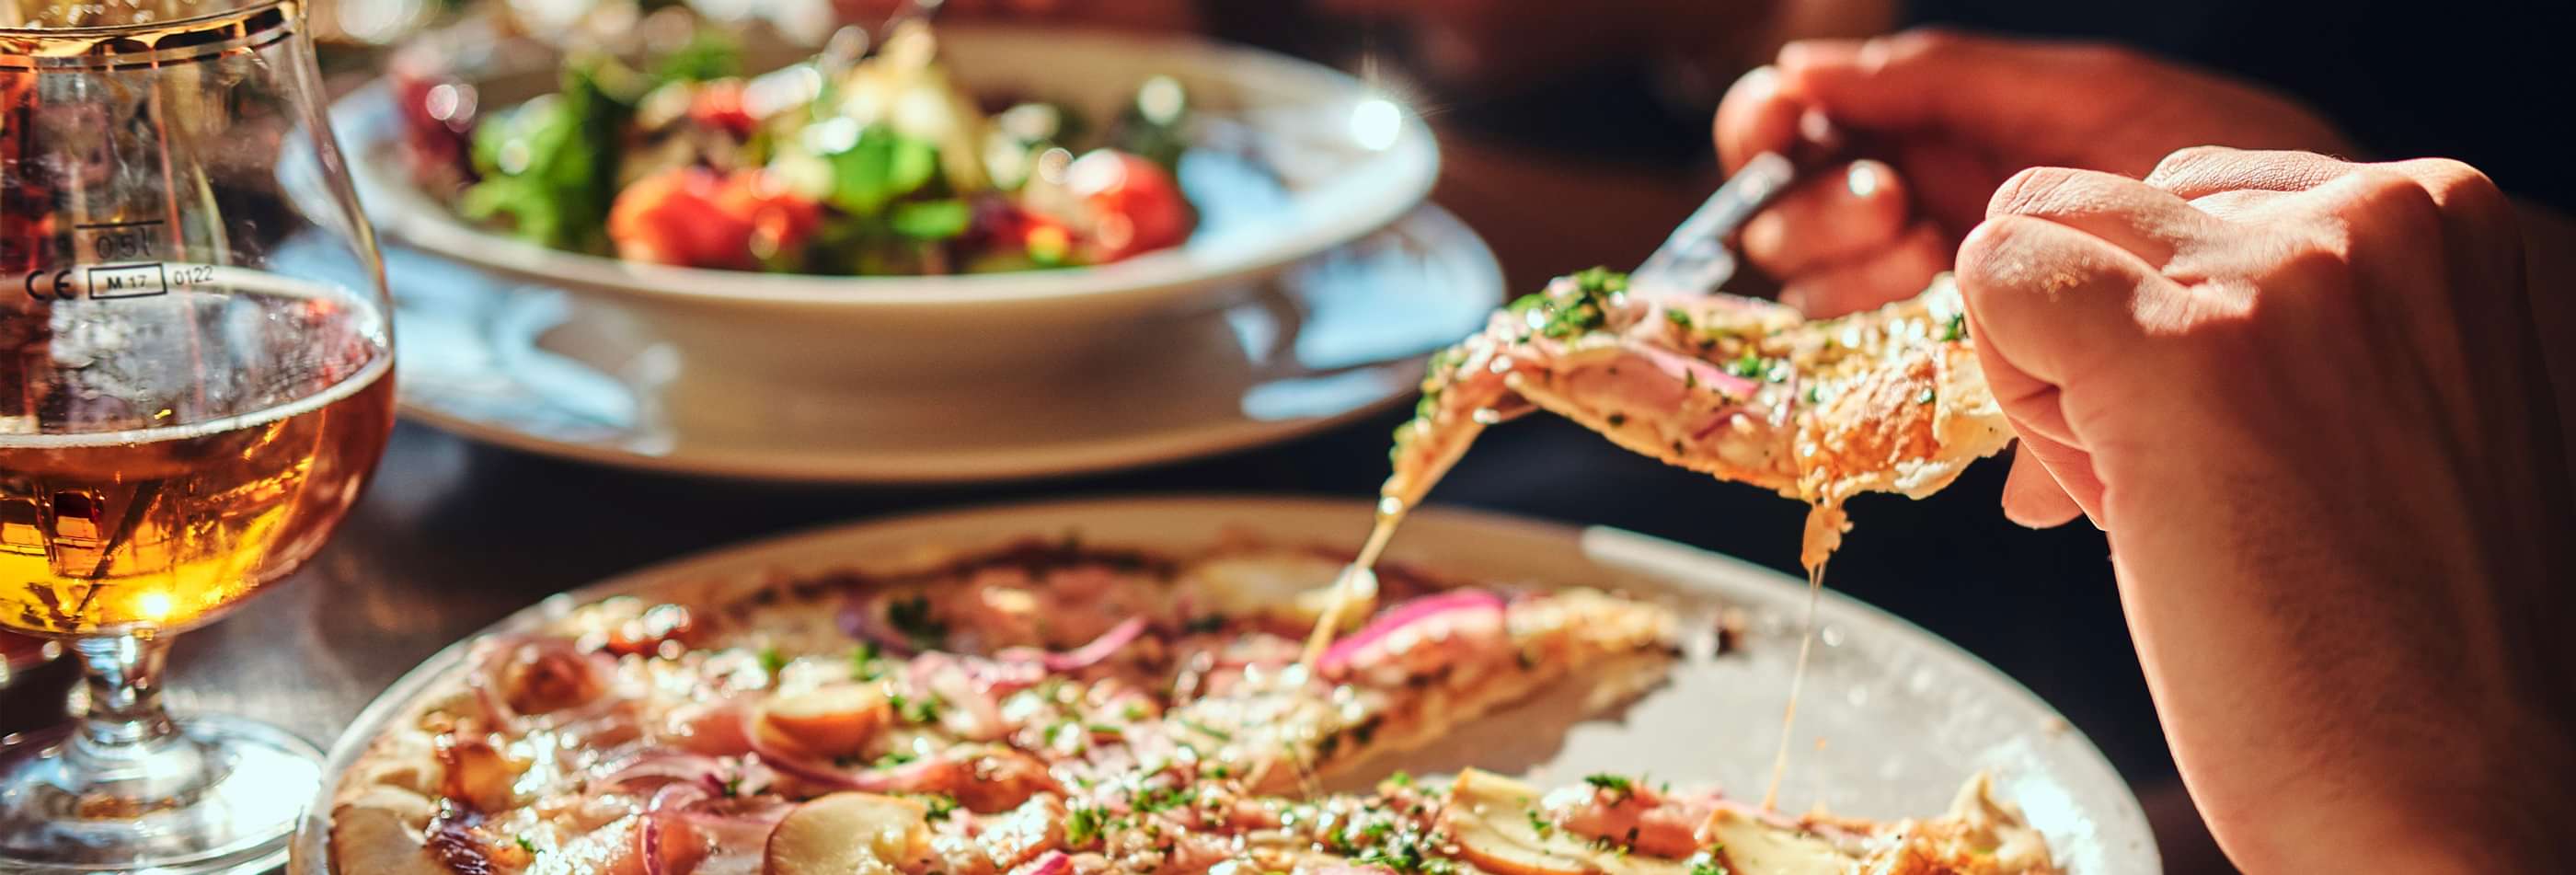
(1892, 720)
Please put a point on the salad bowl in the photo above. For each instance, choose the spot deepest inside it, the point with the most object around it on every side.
(1285, 160)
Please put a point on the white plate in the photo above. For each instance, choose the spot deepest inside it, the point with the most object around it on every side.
(1893, 721)
(1337, 337)
(1333, 159)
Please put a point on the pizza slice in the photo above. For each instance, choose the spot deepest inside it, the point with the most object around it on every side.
(1479, 823)
(674, 737)
(1890, 400)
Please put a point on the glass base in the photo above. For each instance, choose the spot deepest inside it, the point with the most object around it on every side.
(221, 797)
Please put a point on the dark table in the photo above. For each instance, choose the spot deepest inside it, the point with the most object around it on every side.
(453, 535)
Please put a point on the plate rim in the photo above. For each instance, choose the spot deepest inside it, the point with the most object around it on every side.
(1411, 163)
(309, 844)
(1427, 222)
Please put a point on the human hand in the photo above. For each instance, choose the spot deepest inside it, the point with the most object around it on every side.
(1942, 119)
(2305, 399)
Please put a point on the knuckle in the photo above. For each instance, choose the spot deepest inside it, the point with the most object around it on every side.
(2189, 162)
(2004, 253)
(2393, 203)
(2309, 257)
(2032, 191)
(2462, 191)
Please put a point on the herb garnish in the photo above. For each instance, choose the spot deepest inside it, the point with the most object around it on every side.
(1206, 730)
(1705, 863)
(863, 662)
(771, 661)
(1619, 788)
(1081, 826)
(912, 618)
(1957, 329)
(939, 806)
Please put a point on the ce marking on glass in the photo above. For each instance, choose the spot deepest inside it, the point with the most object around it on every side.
(105, 282)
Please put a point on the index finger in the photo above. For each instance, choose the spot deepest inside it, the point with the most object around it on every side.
(1755, 118)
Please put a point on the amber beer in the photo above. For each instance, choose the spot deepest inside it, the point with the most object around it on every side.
(155, 528)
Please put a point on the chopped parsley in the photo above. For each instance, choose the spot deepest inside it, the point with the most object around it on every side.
(1104, 729)
(528, 845)
(863, 662)
(1957, 329)
(1206, 730)
(1705, 863)
(1676, 316)
(1619, 788)
(1562, 312)
(772, 661)
(912, 618)
(911, 710)
(893, 759)
(939, 806)
(1539, 823)
(1155, 799)
(1133, 711)
(1748, 366)
(1082, 826)
(1407, 855)
(1401, 778)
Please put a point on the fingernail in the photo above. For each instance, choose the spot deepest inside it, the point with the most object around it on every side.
(1759, 83)
(1862, 179)
(1796, 53)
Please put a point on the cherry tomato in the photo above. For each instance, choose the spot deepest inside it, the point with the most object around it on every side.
(780, 221)
(1133, 205)
(696, 217)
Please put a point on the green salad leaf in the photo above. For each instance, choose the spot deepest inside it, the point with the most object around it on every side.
(709, 55)
(930, 220)
(879, 167)
(550, 167)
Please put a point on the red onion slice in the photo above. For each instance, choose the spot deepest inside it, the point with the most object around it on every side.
(1441, 608)
(1684, 369)
(681, 807)
(1086, 656)
(670, 767)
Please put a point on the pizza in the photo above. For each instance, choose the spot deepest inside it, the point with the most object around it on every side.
(1750, 391)
(1056, 708)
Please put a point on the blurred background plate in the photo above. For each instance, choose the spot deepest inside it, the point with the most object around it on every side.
(1289, 159)
(1333, 338)
(1894, 719)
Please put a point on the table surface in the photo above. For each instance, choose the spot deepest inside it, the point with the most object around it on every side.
(454, 535)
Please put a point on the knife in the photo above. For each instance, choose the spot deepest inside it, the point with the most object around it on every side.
(1696, 259)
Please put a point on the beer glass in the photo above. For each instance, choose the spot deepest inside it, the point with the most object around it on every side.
(195, 382)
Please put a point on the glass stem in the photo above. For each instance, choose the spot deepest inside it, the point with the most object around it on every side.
(125, 742)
